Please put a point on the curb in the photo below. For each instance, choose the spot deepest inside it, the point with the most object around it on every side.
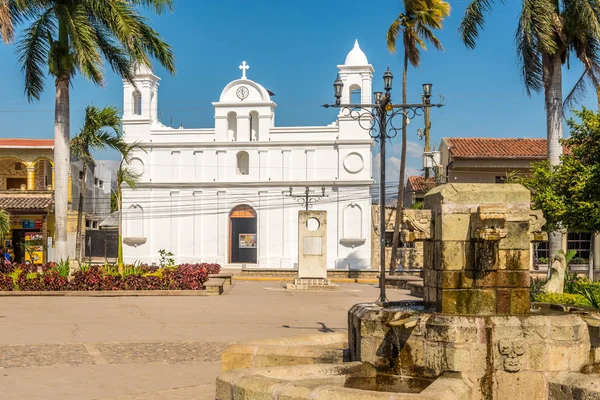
(287, 279)
(103, 293)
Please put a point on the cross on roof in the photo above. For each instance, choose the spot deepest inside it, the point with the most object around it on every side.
(244, 67)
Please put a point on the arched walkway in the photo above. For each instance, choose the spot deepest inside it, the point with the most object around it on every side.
(242, 235)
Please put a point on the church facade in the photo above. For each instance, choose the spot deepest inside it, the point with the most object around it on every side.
(231, 194)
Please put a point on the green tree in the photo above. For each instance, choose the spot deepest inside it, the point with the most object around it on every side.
(93, 136)
(126, 175)
(548, 33)
(416, 25)
(569, 193)
(64, 38)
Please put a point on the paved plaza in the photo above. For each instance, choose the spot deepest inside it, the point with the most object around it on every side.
(129, 348)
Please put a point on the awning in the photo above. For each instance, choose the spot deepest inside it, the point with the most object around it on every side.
(26, 202)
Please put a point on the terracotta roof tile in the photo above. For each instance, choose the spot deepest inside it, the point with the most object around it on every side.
(25, 202)
(497, 148)
(27, 143)
(419, 185)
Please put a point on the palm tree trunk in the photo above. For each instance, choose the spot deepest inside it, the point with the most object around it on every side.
(80, 213)
(554, 128)
(598, 96)
(120, 233)
(398, 222)
(62, 161)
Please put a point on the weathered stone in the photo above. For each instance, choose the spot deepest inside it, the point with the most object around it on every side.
(517, 237)
(455, 227)
(513, 279)
(519, 301)
(523, 385)
(469, 301)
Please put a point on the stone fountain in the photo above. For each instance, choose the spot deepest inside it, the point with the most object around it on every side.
(475, 335)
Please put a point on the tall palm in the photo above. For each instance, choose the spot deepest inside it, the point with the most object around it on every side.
(93, 136)
(126, 175)
(548, 33)
(416, 25)
(77, 36)
(4, 223)
(6, 25)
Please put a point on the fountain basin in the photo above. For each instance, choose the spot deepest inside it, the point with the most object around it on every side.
(348, 381)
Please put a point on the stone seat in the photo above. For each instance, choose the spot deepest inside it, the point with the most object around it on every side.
(227, 276)
(417, 289)
(214, 287)
(400, 282)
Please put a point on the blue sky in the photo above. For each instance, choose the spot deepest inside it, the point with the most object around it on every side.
(293, 49)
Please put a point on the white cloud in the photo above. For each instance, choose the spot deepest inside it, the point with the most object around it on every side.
(414, 150)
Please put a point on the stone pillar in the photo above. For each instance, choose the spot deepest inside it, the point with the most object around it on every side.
(31, 178)
(477, 247)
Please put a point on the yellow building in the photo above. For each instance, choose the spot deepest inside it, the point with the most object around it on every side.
(27, 193)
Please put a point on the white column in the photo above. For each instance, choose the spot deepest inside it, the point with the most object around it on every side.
(263, 223)
(198, 166)
(175, 156)
(174, 216)
(222, 227)
(221, 172)
(597, 251)
(243, 128)
(197, 236)
(263, 167)
(310, 165)
(286, 165)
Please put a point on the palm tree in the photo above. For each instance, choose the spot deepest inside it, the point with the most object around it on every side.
(6, 25)
(78, 36)
(93, 136)
(4, 223)
(548, 33)
(416, 26)
(130, 177)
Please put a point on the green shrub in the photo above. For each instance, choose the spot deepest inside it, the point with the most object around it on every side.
(563, 298)
(543, 260)
(535, 287)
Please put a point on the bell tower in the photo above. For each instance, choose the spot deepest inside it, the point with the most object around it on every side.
(140, 101)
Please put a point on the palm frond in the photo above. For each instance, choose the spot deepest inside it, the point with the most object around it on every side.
(113, 52)
(33, 50)
(94, 136)
(126, 175)
(427, 34)
(577, 93)
(159, 6)
(392, 34)
(84, 44)
(474, 20)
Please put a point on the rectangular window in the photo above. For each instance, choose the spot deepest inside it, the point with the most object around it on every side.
(580, 242)
(96, 181)
(100, 184)
(500, 179)
(541, 252)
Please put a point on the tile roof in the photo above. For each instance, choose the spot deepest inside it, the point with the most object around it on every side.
(46, 143)
(497, 148)
(419, 184)
(25, 202)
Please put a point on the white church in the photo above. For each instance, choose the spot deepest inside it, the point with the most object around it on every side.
(231, 194)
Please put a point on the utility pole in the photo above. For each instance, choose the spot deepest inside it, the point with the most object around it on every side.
(427, 129)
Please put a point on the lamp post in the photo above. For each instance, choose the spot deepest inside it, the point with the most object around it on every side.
(378, 120)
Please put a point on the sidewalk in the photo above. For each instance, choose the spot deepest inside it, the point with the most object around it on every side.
(152, 347)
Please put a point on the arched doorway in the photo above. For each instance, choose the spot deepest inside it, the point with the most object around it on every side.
(242, 235)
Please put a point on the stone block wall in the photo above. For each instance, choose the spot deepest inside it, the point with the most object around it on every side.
(477, 258)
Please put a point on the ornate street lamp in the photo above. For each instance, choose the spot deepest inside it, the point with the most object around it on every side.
(378, 120)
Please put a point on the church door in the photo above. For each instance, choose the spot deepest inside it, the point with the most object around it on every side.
(242, 235)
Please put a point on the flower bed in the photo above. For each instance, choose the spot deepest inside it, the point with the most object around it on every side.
(50, 277)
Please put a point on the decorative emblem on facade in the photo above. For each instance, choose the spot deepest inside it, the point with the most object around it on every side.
(512, 350)
(242, 93)
(418, 225)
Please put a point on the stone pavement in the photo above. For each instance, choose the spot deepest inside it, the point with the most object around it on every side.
(129, 348)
